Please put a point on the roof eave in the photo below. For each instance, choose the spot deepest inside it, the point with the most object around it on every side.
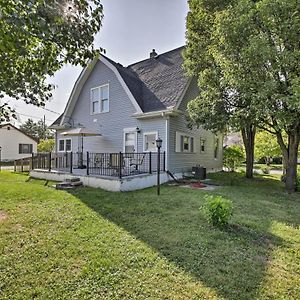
(160, 113)
(58, 127)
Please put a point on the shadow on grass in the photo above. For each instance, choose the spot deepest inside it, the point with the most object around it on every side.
(232, 261)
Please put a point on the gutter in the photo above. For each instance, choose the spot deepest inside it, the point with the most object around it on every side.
(160, 113)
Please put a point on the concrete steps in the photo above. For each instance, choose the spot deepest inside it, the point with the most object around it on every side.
(69, 184)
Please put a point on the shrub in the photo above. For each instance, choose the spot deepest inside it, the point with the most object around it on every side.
(233, 157)
(218, 210)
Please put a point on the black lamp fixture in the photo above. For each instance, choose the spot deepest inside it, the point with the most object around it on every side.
(158, 145)
(137, 129)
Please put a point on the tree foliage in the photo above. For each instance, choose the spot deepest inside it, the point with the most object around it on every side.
(46, 145)
(38, 130)
(246, 54)
(37, 38)
(266, 146)
(233, 157)
(221, 102)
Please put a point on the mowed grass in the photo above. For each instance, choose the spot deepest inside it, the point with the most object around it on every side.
(93, 244)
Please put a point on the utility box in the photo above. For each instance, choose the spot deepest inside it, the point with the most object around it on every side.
(199, 172)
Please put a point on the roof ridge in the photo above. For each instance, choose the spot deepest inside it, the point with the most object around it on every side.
(151, 58)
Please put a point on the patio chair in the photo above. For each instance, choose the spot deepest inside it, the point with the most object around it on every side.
(98, 160)
(116, 162)
(137, 161)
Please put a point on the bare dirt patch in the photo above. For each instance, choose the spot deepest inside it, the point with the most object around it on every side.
(3, 216)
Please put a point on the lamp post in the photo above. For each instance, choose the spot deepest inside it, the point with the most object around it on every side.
(158, 145)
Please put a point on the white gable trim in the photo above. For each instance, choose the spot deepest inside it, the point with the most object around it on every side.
(77, 89)
(81, 81)
(129, 94)
(183, 93)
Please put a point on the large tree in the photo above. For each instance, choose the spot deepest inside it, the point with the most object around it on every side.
(256, 46)
(221, 102)
(38, 130)
(37, 38)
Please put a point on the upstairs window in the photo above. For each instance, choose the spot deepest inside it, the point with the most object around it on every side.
(25, 148)
(100, 99)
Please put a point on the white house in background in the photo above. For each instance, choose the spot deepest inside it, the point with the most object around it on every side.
(15, 143)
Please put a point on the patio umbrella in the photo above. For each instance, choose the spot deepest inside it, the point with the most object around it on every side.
(81, 132)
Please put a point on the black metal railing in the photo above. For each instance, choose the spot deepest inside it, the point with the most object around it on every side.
(101, 164)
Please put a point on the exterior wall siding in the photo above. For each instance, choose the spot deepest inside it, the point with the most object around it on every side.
(180, 162)
(111, 124)
(10, 140)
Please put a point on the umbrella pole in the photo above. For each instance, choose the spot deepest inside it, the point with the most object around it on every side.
(82, 151)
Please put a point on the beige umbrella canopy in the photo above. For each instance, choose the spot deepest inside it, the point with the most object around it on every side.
(80, 132)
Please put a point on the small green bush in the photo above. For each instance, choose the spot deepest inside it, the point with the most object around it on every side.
(218, 210)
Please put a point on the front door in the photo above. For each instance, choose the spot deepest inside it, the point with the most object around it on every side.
(130, 141)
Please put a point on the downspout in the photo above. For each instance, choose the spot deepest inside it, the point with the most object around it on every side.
(167, 142)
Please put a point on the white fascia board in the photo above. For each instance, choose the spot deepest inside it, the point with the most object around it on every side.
(125, 87)
(183, 93)
(77, 89)
(82, 79)
(155, 114)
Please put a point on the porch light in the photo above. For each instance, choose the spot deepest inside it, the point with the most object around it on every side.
(137, 129)
(158, 143)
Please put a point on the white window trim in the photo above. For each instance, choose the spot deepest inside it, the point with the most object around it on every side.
(144, 140)
(99, 101)
(178, 135)
(130, 130)
(64, 145)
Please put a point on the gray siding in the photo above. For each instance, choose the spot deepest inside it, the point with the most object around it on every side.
(183, 162)
(110, 125)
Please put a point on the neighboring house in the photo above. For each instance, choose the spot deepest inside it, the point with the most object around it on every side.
(131, 106)
(15, 143)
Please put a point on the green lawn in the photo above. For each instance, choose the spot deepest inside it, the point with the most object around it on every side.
(93, 244)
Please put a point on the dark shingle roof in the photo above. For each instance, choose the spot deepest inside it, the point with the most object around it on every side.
(132, 81)
(155, 83)
(163, 79)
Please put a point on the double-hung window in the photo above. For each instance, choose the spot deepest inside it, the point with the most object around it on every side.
(25, 148)
(100, 99)
(184, 143)
(65, 145)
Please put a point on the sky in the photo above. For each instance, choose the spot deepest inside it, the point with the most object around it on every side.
(130, 30)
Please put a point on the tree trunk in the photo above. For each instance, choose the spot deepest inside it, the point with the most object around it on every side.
(290, 156)
(248, 134)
